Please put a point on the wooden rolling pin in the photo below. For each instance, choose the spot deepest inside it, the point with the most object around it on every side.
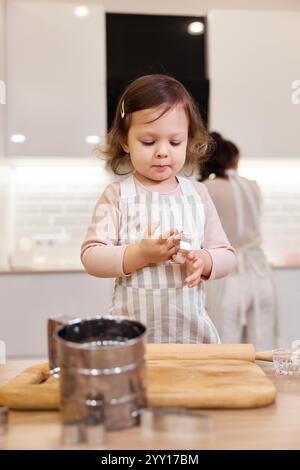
(22, 393)
(244, 352)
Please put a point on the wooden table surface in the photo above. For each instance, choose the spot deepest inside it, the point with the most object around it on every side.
(273, 427)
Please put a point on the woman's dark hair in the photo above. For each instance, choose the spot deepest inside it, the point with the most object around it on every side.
(152, 91)
(222, 156)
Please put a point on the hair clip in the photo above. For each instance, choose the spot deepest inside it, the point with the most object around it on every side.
(122, 110)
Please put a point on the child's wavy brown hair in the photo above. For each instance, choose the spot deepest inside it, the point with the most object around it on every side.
(152, 91)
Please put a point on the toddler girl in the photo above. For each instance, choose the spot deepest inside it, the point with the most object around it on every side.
(138, 222)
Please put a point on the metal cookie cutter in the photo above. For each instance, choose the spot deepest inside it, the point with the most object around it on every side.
(176, 422)
(84, 421)
(185, 245)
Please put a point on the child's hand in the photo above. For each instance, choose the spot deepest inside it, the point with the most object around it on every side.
(194, 268)
(158, 250)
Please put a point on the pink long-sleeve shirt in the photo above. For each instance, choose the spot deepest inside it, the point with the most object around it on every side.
(102, 257)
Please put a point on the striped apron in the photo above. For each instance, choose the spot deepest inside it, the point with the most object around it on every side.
(156, 295)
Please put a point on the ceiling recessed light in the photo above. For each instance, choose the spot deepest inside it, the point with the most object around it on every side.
(18, 138)
(196, 27)
(92, 139)
(81, 11)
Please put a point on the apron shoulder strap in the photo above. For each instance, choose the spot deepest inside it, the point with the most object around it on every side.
(127, 187)
(187, 187)
(238, 186)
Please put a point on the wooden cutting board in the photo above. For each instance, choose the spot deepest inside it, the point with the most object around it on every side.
(208, 383)
(245, 352)
(176, 376)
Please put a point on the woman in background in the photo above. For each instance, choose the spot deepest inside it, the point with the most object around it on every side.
(242, 305)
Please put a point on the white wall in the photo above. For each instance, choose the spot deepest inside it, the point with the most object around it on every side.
(194, 7)
(253, 60)
(2, 74)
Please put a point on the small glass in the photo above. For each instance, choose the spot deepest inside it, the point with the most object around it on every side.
(286, 361)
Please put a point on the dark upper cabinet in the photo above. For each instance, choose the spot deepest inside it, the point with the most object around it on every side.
(145, 44)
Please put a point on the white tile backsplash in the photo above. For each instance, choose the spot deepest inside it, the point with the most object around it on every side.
(48, 209)
(52, 209)
(279, 181)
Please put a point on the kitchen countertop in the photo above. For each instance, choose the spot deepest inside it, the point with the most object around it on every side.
(273, 427)
(79, 270)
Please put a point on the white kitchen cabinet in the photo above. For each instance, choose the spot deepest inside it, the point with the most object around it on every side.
(288, 300)
(253, 62)
(2, 78)
(28, 300)
(55, 78)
